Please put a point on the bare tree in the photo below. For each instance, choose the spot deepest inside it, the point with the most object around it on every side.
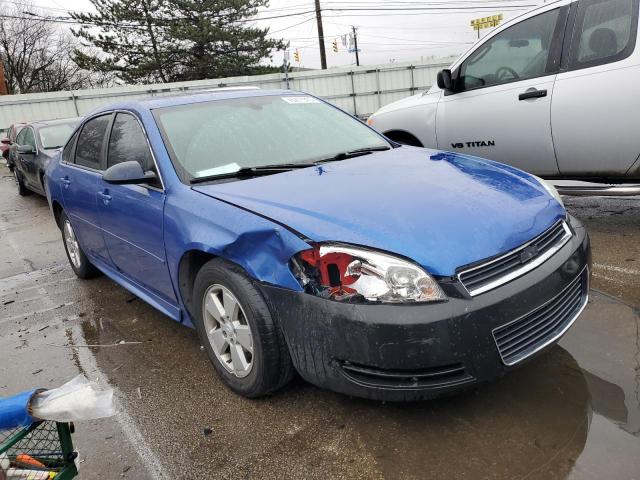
(37, 55)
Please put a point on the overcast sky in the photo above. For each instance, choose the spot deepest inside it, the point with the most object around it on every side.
(387, 30)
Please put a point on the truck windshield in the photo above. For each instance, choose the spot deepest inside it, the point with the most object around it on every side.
(224, 136)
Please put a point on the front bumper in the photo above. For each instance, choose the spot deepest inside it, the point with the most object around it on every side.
(414, 352)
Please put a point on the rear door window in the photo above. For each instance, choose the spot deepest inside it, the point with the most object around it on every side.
(91, 142)
(605, 32)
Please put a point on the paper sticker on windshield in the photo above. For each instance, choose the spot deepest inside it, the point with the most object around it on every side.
(300, 99)
(221, 170)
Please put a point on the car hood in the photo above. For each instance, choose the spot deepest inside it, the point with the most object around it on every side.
(425, 98)
(442, 210)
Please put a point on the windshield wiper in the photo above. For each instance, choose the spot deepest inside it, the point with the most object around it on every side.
(352, 154)
(248, 172)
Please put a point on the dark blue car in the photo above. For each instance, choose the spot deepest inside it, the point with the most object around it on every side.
(295, 238)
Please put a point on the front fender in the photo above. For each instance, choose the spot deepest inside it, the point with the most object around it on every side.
(194, 221)
(52, 188)
(415, 115)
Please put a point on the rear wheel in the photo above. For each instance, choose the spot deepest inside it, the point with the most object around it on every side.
(77, 259)
(22, 190)
(234, 324)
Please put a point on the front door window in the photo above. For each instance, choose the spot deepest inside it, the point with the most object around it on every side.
(520, 52)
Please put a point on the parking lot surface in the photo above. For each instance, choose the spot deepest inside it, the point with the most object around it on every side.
(573, 412)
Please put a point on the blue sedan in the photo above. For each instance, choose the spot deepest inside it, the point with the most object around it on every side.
(294, 238)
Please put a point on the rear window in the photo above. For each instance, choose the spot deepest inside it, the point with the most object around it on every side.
(55, 136)
(605, 31)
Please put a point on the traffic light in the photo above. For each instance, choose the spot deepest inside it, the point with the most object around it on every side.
(335, 45)
(296, 56)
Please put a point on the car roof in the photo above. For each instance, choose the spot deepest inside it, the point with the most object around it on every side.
(191, 98)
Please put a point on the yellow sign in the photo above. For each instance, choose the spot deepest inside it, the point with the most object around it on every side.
(486, 22)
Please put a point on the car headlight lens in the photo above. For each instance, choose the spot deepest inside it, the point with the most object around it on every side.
(350, 274)
(551, 189)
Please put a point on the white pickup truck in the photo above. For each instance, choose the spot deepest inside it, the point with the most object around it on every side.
(555, 91)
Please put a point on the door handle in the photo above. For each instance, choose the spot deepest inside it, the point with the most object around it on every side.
(532, 93)
(106, 198)
(65, 181)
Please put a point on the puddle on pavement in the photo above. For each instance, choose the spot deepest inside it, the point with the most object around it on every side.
(573, 412)
(565, 414)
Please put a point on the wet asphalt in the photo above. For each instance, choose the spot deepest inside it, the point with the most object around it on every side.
(573, 412)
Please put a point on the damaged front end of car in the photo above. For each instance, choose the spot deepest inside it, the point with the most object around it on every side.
(351, 274)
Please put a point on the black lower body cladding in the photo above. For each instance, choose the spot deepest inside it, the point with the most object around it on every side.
(414, 352)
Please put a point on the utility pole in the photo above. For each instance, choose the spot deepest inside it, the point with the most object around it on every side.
(285, 66)
(355, 44)
(323, 55)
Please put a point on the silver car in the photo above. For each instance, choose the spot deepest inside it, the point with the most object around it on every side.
(553, 91)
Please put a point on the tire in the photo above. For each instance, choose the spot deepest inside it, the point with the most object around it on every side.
(79, 262)
(270, 364)
(23, 191)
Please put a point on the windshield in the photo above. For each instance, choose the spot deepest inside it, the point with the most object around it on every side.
(55, 136)
(221, 137)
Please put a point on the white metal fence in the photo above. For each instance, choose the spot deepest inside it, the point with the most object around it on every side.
(358, 90)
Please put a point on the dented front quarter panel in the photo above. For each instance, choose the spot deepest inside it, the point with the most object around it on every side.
(194, 221)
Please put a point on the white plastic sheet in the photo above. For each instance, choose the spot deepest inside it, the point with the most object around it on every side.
(76, 400)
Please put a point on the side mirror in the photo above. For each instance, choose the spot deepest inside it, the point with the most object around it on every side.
(445, 80)
(26, 149)
(5, 141)
(128, 173)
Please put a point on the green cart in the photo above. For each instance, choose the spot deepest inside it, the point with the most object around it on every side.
(47, 445)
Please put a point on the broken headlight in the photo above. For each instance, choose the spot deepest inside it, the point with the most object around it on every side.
(350, 274)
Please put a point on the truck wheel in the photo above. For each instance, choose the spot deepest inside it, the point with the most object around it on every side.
(79, 262)
(22, 190)
(234, 324)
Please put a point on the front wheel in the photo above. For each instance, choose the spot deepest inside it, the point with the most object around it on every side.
(234, 324)
(77, 258)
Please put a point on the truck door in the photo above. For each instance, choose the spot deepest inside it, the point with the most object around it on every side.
(501, 102)
(594, 112)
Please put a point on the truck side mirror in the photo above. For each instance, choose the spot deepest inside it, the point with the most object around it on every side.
(445, 80)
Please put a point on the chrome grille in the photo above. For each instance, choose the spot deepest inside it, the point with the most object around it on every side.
(526, 335)
(516, 263)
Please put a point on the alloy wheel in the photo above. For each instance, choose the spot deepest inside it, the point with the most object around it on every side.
(228, 330)
(72, 244)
